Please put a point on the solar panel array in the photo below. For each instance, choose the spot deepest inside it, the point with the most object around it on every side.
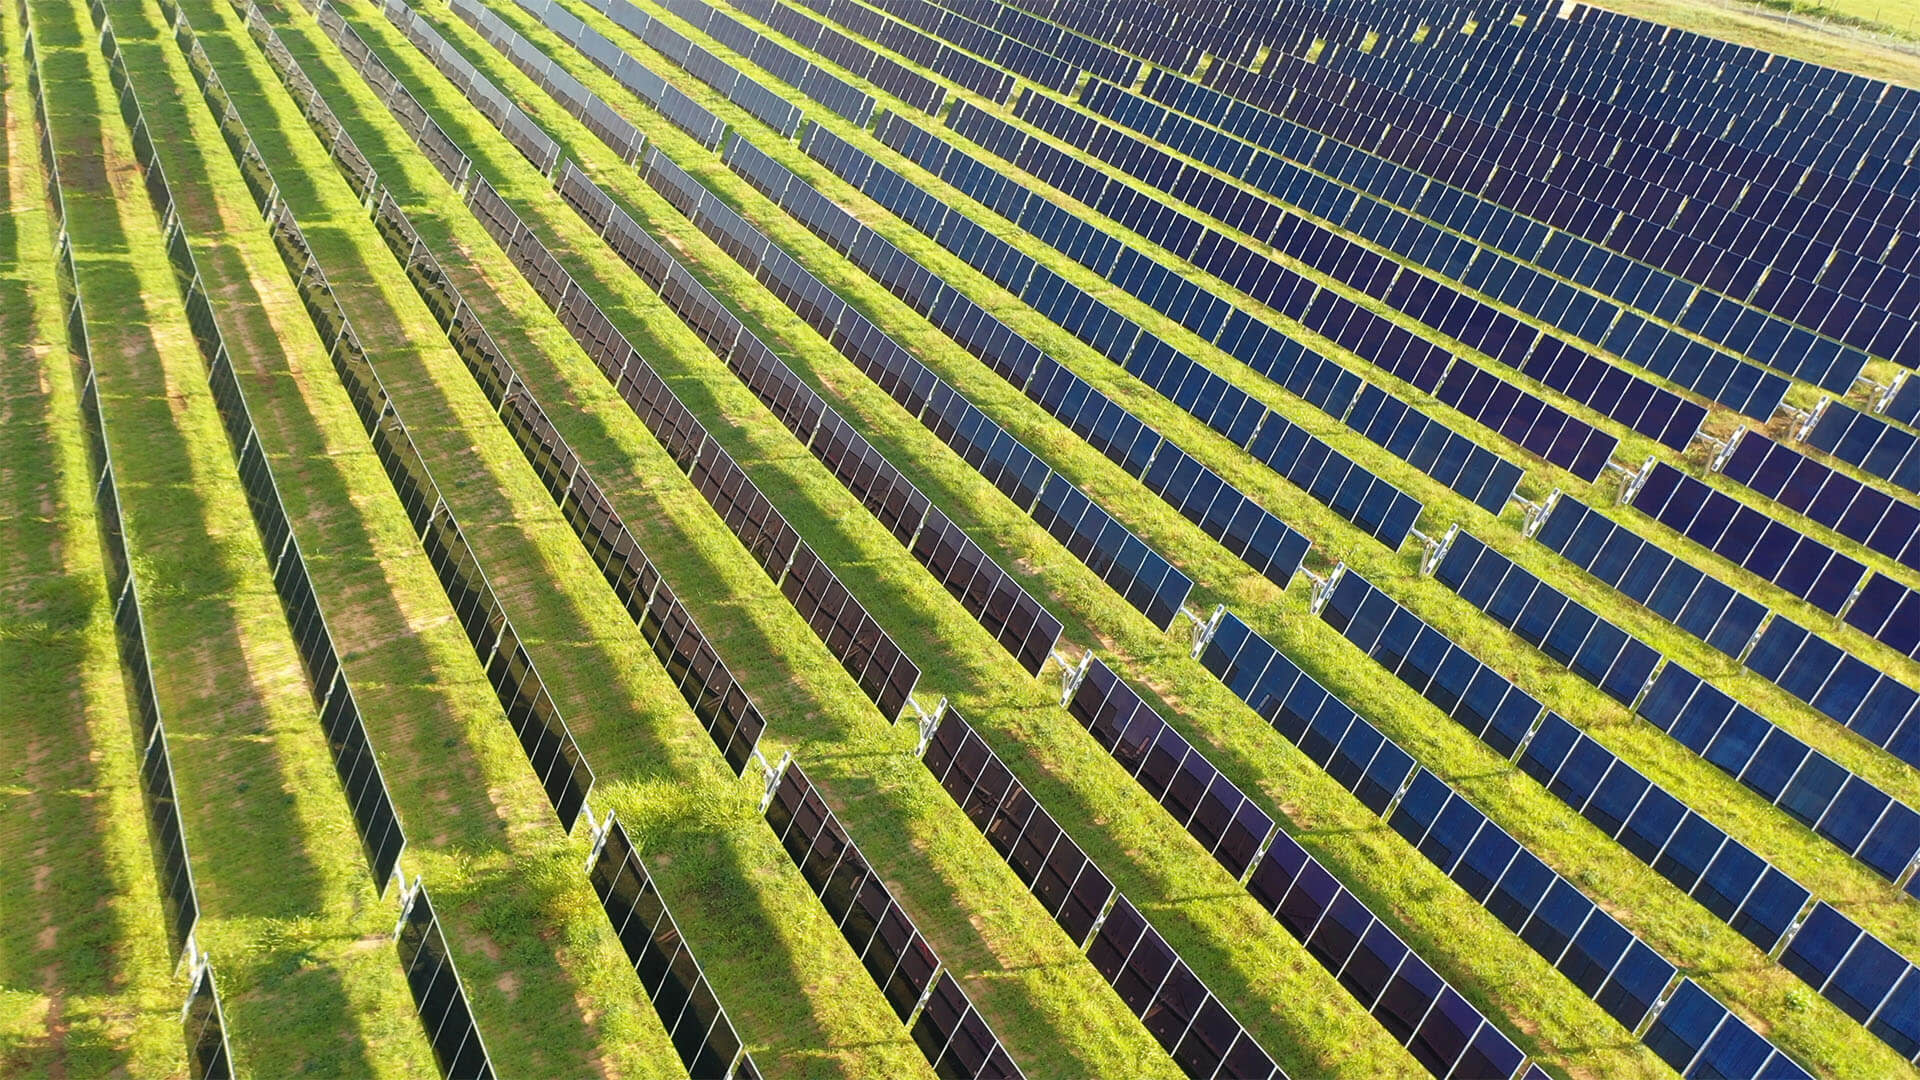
(1631, 309)
(1700, 858)
(665, 964)
(1385, 976)
(166, 833)
(1155, 983)
(381, 836)
(1728, 620)
(1539, 427)
(732, 720)
(1578, 373)
(692, 1017)
(1730, 735)
(865, 650)
(924, 994)
(1853, 693)
(1249, 531)
(1622, 974)
(688, 200)
(1566, 187)
(1505, 112)
(1356, 173)
(1358, 495)
(1453, 459)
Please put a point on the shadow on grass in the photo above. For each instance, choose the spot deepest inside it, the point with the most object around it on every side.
(220, 748)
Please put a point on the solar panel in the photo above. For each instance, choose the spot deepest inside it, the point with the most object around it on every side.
(208, 1057)
(1379, 970)
(1703, 606)
(1698, 1036)
(701, 1032)
(878, 929)
(1830, 497)
(1566, 631)
(1867, 441)
(437, 993)
(1183, 1016)
(1800, 564)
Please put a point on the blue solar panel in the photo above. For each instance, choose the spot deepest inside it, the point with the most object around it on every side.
(1530, 898)
(1800, 564)
(1567, 631)
(1701, 605)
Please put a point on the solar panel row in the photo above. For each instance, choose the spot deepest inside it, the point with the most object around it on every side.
(1452, 234)
(1449, 457)
(166, 833)
(1194, 1026)
(1260, 539)
(952, 1034)
(1383, 511)
(1800, 564)
(696, 1022)
(1703, 606)
(378, 827)
(1823, 493)
(1388, 979)
(1606, 961)
(1542, 428)
(1862, 439)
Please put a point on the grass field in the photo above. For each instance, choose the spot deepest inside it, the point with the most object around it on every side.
(308, 975)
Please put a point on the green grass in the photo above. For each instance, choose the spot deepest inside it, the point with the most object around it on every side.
(1768, 985)
(287, 912)
(85, 987)
(532, 941)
